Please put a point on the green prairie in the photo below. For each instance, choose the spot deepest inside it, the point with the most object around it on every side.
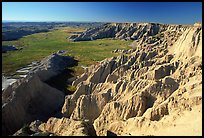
(39, 45)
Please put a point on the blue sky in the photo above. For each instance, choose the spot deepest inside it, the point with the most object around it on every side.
(161, 12)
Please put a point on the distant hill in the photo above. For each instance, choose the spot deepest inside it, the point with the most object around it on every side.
(127, 31)
(15, 30)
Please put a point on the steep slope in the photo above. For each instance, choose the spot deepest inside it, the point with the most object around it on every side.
(189, 44)
(154, 89)
(31, 98)
(129, 31)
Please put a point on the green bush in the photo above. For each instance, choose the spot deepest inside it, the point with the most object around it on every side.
(71, 89)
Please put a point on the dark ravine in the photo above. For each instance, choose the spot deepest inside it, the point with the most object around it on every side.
(60, 81)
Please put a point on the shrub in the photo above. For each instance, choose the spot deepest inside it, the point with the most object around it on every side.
(71, 89)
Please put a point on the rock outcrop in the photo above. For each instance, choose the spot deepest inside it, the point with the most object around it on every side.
(189, 44)
(52, 66)
(67, 127)
(148, 87)
(30, 98)
(132, 31)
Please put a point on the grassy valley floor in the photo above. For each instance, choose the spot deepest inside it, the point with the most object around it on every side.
(39, 45)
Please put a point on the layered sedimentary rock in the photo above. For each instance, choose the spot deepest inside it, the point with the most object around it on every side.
(132, 31)
(146, 91)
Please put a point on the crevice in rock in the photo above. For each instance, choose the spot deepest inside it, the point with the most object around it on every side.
(60, 81)
(91, 129)
(159, 112)
(110, 133)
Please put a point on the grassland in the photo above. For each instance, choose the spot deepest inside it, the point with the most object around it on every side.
(37, 46)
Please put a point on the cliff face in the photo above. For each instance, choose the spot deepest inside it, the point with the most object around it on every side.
(154, 89)
(30, 98)
(189, 44)
(129, 31)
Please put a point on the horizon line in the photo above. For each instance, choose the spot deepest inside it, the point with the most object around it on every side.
(96, 22)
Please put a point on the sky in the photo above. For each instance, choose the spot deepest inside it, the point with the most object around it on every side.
(159, 12)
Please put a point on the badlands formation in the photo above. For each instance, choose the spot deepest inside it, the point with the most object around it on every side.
(155, 88)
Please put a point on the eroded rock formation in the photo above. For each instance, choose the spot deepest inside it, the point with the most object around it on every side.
(153, 89)
(31, 98)
(145, 89)
(133, 31)
(67, 127)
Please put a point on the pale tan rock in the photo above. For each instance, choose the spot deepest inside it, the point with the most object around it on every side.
(83, 77)
(66, 127)
(32, 99)
(70, 100)
(189, 44)
(90, 106)
(150, 88)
